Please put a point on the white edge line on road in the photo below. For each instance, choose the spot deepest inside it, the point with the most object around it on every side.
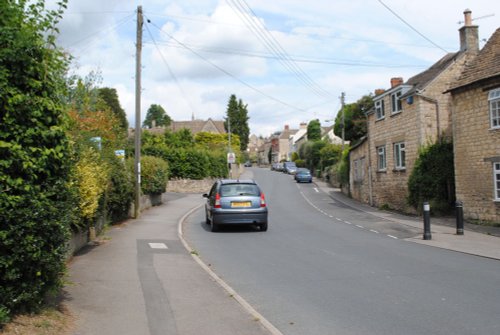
(394, 237)
(374, 231)
(252, 311)
(316, 189)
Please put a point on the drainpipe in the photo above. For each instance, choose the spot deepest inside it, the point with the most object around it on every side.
(436, 103)
(370, 190)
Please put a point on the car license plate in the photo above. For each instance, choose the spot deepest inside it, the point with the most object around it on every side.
(239, 204)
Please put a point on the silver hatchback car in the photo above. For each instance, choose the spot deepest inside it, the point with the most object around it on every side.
(235, 202)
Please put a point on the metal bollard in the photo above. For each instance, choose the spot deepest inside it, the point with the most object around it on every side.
(460, 218)
(427, 221)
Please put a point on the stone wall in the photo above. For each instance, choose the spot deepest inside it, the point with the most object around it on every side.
(476, 147)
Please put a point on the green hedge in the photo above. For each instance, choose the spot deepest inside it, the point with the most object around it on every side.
(154, 175)
(121, 190)
(190, 163)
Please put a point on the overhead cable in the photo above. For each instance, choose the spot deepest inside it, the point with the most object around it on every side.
(225, 71)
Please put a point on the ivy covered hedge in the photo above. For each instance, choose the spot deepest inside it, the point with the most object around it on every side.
(433, 178)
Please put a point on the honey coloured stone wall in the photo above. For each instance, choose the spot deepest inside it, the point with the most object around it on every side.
(359, 186)
(476, 146)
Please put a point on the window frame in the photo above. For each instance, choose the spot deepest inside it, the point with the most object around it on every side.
(496, 180)
(396, 104)
(494, 108)
(381, 158)
(399, 156)
(380, 109)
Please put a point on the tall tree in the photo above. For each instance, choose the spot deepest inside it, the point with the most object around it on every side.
(314, 130)
(237, 117)
(354, 118)
(34, 156)
(157, 114)
(110, 97)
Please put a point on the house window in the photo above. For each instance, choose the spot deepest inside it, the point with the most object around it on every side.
(379, 109)
(496, 179)
(494, 99)
(399, 156)
(396, 102)
(381, 158)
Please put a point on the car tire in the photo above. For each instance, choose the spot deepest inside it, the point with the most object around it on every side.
(263, 226)
(214, 227)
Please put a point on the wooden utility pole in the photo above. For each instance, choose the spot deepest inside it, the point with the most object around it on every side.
(138, 114)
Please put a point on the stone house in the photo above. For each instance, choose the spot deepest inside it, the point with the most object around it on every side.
(284, 143)
(476, 134)
(297, 139)
(408, 116)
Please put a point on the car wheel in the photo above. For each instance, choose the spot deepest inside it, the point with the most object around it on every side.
(263, 226)
(214, 227)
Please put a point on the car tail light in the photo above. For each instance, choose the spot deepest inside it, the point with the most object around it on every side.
(262, 200)
(217, 201)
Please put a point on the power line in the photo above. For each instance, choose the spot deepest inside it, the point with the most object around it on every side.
(265, 36)
(411, 27)
(225, 71)
(170, 71)
(299, 59)
(108, 28)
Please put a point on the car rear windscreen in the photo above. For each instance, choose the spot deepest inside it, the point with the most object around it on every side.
(231, 190)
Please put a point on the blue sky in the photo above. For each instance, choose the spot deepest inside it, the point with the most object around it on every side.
(288, 60)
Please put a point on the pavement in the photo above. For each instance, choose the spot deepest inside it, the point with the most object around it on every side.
(477, 240)
(142, 277)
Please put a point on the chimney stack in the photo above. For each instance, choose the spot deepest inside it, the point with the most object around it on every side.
(287, 127)
(469, 40)
(379, 91)
(396, 81)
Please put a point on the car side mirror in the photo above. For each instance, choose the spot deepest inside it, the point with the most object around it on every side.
(205, 195)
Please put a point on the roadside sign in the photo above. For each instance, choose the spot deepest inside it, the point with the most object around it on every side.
(231, 158)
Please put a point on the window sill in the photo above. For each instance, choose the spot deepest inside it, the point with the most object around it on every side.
(381, 119)
(382, 171)
(399, 170)
(396, 113)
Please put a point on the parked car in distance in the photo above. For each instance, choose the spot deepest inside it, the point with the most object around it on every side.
(235, 202)
(248, 164)
(289, 167)
(303, 176)
(277, 167)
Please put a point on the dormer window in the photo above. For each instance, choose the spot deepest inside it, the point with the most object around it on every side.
(494, 100)
(379, 109)
(396, 102)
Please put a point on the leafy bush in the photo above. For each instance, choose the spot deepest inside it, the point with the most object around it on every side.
(343, 168)
(433, 178)
(121, 191)
(91, 179)
(34, 158)
(154, 175)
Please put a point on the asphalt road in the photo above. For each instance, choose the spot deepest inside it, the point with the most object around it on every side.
(325, 268)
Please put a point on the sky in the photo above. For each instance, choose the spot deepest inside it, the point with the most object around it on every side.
(288, 60)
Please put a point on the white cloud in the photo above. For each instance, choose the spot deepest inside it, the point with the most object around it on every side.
(101, 35)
